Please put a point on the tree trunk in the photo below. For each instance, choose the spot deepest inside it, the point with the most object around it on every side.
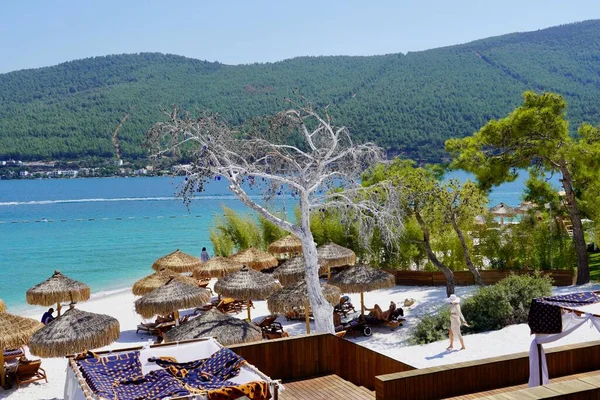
(433, 258)
(583, 269)
(466, 252)
(321, 308)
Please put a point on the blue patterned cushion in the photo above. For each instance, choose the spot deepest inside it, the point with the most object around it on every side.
(103, 372)
(154, 385)
(224, 364)
(545, 313)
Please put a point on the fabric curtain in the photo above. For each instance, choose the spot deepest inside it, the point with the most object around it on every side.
(570, 322)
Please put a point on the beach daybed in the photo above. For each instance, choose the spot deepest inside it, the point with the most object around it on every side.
(195, 369)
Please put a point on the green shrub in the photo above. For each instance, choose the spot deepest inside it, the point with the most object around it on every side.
(505, 303)
(431, 328)
(491, 308)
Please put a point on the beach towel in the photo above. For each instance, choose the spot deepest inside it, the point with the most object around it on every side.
(101, 373)
(156, 384)
(258, 390)
(224, 364)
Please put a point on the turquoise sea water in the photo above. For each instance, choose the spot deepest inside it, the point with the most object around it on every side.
(107, 232)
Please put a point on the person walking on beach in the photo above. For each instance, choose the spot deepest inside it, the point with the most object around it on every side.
(47, 317)
(456, 320)
(204, 255)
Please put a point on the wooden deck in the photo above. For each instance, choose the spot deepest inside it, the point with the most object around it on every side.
(329, 387)
(508, 392)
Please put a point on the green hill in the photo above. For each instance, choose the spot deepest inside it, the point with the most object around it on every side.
(407, 103)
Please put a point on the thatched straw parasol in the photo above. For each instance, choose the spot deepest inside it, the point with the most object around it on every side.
(255, 259)
(177, 261)
(524, 207)
(334, 255)
(502, 210)
(158, 279)
(287, 245)
(296, 294)
(73, 332)
(247, 284)
(216, 267)
(293, 269)
(226, 329)
(171, 297)
(2, 306)
(15, 332)
(57, 289)
(360, 279)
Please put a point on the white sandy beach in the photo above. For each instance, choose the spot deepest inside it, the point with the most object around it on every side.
(512, 339)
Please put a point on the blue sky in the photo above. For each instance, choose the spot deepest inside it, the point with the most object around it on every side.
(40, 33)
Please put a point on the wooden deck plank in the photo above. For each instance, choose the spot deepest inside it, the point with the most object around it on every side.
(509, 392)
(329, 387)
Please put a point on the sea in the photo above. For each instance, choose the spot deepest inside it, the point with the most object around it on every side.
(107, 232)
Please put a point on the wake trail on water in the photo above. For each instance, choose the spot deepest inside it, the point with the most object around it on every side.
(110, 200)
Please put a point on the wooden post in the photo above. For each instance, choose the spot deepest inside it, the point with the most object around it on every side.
(249, 318)
(539, 347)
(362, 305)
(328, 273)
(307, 315)
(176, 316)
(58, 307)
(2, 373)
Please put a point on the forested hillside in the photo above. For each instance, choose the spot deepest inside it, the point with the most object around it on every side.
(407, 103)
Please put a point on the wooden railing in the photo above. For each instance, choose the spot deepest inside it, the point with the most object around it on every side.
(307, 356)
(482, 375)
(423, 278)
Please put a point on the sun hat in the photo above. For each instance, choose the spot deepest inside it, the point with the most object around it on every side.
(453, 299)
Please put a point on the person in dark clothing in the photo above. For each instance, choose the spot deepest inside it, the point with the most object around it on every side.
(47, 317)
(204, 255)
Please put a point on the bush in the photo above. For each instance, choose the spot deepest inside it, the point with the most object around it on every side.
(505, 303)
(431, 328)
(491, 308)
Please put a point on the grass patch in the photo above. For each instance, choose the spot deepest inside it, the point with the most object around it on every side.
(594, 266)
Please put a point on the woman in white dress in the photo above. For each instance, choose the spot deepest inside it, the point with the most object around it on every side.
(456, 320)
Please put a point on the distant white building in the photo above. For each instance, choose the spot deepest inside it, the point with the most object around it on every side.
(71, 173)
(23, 174)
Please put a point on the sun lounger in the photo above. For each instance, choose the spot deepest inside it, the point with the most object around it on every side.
(272, 329)
(297, 314)
(153, 328)
(30, 371)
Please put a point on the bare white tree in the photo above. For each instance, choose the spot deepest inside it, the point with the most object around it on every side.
(321, 171)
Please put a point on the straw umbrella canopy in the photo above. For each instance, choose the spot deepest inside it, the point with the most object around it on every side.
(73, 332)
(247, 284)
(158, 279)
(217, 267)
(524, 207)
(296, 294)
(57, 289)
(293, 269)
(226, 329)
(334, 255)
(362, 278)
(2, 306)
(287, 245)
(502, 210)
(255, 259)
(15, 332)
(171, 297)
(177, 261)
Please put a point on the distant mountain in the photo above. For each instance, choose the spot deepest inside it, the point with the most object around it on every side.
(406, 103)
